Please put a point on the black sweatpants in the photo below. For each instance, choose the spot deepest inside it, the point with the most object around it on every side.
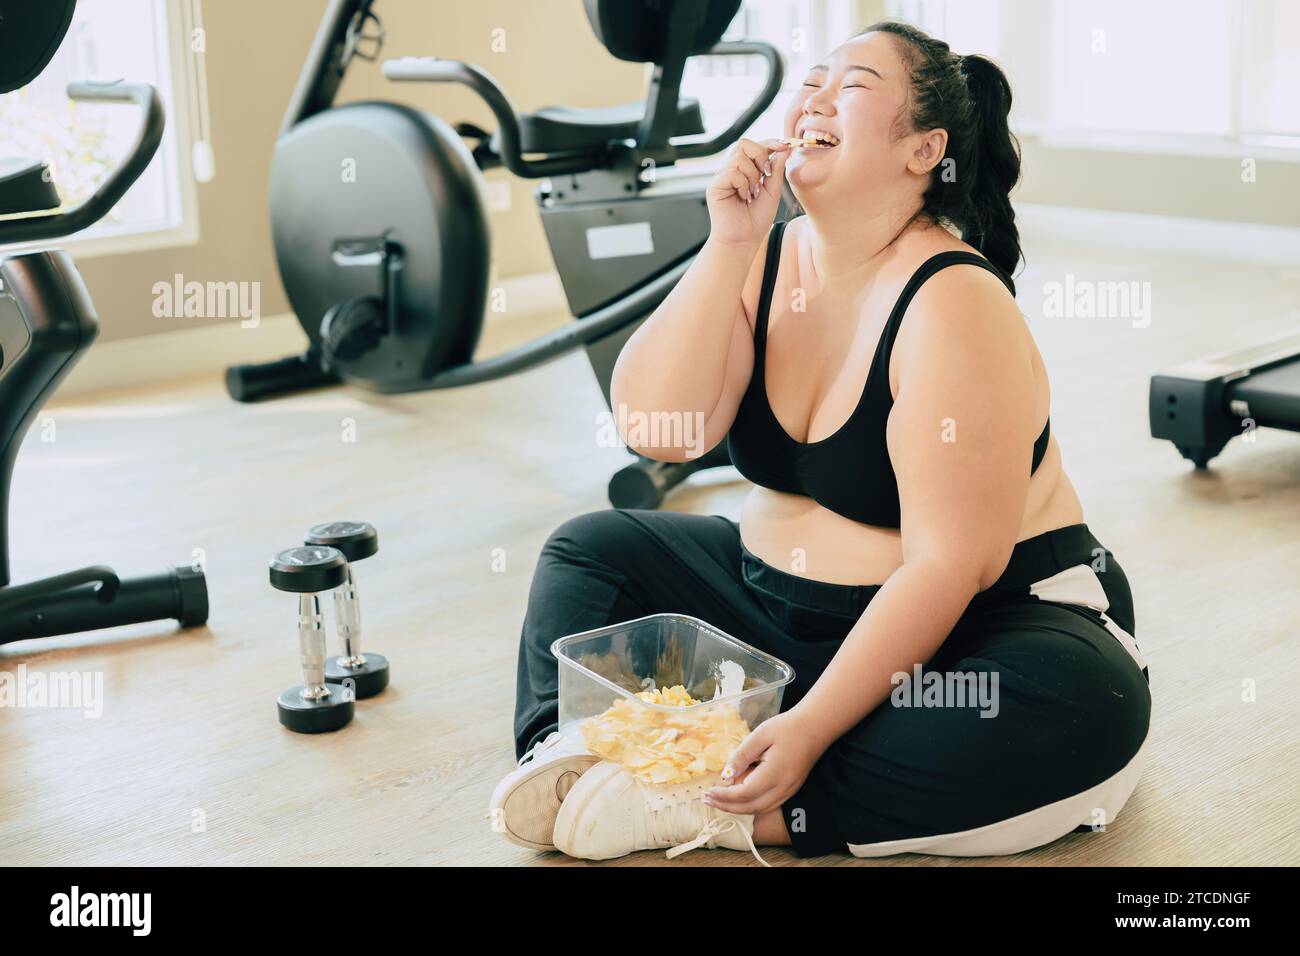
(1051, 643)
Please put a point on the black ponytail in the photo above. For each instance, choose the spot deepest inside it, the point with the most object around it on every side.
(997, 166)
(970, 98)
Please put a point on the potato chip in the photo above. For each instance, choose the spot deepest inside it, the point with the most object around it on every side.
(663, 747)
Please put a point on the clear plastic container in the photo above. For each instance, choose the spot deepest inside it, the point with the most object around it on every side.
(601, 667)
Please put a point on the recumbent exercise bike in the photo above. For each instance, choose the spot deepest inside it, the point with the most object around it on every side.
(47, 322)
(387, 269)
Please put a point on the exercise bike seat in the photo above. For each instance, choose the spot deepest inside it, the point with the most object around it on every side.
(26, 186)
(564, 129)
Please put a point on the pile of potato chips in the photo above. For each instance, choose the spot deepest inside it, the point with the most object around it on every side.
(663, 747)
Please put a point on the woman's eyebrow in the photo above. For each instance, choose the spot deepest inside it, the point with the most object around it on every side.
(865, 69)
(849, 69)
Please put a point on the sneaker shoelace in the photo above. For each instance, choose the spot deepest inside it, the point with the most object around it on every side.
(674, 818)
(550, 743)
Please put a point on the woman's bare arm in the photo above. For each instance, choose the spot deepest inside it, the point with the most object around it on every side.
(691, 360)
(695, 353)
(960, 439)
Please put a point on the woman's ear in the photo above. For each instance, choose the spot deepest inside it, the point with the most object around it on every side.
(929, 152)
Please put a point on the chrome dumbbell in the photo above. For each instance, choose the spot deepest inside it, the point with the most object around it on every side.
(314, 706)
(366, 673)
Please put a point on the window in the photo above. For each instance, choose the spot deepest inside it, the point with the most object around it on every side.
(1199, 76)
(110, 39)
(803, 30)
(1271, 57)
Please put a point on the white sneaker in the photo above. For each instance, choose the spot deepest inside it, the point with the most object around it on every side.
(524, 804)
(610, 813)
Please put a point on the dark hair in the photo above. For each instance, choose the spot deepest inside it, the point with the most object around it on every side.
(968, 96)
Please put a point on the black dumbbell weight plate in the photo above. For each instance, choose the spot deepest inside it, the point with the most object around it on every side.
(367, 681)
(356, 539)
(309, 569)
(315, 716)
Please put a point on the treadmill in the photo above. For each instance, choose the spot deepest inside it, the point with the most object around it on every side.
(1202, 405)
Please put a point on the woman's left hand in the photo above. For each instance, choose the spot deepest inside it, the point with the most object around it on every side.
(781, 753)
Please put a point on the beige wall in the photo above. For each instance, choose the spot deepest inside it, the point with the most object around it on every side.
(254, 51)
(1193, 186)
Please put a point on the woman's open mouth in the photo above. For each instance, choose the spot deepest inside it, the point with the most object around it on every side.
(817, 139)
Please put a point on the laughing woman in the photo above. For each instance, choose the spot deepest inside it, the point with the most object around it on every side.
(874, 378)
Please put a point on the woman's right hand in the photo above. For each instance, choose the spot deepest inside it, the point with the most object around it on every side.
(744, 195)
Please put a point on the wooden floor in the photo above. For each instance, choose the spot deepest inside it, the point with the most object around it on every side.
(188, 765)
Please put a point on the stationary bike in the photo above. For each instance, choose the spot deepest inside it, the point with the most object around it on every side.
(382, 238)
(47, 322)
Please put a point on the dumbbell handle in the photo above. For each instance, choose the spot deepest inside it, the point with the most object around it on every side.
(347, 609)
(311, 647)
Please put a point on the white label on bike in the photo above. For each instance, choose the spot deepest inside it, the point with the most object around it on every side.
(627, 239)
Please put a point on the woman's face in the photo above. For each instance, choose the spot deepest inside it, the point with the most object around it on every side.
(857, 95)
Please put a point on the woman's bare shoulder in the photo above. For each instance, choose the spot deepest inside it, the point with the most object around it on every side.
(921, 244)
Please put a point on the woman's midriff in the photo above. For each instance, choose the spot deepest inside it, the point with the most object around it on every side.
(793, 533)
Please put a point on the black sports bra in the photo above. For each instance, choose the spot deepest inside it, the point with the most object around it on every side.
(848, 472)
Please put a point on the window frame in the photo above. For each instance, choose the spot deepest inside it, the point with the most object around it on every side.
(178, 73)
